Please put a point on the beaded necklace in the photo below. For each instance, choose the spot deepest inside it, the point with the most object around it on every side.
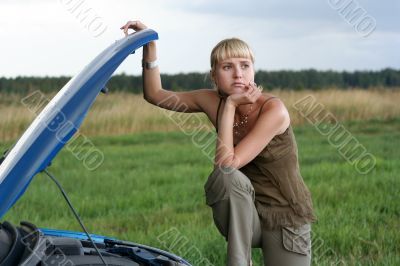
(239, 126)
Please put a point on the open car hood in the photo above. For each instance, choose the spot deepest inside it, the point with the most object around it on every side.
(61, 118)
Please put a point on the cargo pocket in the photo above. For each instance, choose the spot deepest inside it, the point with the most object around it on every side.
(297, 240)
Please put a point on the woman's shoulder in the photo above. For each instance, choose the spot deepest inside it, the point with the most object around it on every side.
(199, 100)
(273, 104)
(269, 101)
(209, 92)
(207, 99)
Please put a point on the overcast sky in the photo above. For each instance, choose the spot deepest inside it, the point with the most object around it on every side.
(53, 37)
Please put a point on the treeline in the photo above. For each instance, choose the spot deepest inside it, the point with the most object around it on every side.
(283, 79)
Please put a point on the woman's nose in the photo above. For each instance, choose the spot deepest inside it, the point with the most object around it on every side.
(238, 72)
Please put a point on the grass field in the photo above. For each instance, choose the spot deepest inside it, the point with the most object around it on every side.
(149, 189)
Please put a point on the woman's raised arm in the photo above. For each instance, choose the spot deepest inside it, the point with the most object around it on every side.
(153, 92)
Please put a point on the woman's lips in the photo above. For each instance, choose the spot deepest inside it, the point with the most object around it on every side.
(238, 84)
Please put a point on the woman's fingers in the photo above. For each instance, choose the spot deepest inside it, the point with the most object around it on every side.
(136, 25)
(253, 91)
(249, 90)
(126, 27)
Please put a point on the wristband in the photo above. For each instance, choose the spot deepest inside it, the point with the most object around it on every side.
(149, 65)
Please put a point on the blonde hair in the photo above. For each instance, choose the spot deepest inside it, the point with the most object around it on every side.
(230, 48)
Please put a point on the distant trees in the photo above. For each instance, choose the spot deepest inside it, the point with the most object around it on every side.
(282, 79)
(23, 84)
(315, 80)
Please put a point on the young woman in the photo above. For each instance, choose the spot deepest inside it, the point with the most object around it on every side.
(257, 195)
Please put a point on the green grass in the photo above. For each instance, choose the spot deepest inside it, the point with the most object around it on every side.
(149, 190)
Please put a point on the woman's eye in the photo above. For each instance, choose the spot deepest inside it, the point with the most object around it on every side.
(245, 66)
(226, 67)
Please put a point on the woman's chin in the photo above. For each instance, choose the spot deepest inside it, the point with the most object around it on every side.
(235, 90)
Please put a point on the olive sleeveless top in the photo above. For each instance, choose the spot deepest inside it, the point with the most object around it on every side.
(281, 196)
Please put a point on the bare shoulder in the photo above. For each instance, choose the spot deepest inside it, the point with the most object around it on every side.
(206, 99)
(209, 102)
(187, 101)
(274, 108)
(271, 101)
(208, 93)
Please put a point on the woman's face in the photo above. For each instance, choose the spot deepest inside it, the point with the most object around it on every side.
(232, 75)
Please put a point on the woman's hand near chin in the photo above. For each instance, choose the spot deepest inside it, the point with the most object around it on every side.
(251, 95)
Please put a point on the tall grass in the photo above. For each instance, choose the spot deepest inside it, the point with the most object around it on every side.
(124, 113)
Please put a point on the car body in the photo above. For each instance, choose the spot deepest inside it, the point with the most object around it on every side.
(26, 244)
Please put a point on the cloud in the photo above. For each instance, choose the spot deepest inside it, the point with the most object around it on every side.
(283, 34)
(322, 13)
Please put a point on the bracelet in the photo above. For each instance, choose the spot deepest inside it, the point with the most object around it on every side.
(149, 65)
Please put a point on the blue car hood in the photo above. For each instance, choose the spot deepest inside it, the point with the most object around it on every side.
(61, 118)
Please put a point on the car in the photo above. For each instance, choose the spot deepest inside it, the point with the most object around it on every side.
(26, 244)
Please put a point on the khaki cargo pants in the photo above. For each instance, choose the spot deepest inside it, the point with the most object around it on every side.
(231, 196)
